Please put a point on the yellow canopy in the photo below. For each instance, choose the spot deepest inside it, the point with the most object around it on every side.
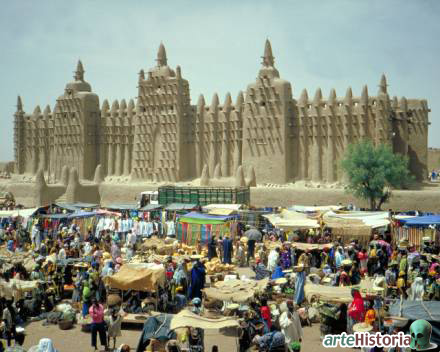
(138, 277)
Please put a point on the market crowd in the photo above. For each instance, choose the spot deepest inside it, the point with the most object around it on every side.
(70, 266)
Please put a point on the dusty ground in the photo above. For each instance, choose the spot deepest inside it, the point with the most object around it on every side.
(77, 341)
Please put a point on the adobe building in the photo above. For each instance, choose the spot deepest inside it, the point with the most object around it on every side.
(163, 137)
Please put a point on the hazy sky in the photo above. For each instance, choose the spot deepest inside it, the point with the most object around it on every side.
(218, 44)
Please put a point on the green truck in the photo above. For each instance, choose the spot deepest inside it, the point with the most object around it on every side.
(203, 195)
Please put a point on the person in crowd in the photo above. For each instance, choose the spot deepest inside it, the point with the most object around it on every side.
(212, 248)
(290, 324)
(356, 310)
(44, 345)
(266, 315)
(240, 256)
(227, 250)
(113, 324)
(198, 278)
(370, 315)
(260, 270)
(271, 342)
(196, 306)
(9, 320)
(96, 312)
(273, 258)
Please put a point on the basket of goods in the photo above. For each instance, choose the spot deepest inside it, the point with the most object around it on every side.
(65, 324)
(113, 300)
(231, 309)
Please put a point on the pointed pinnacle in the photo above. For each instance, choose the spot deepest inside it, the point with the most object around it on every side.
(304, 98)
(364, 96)
(268, 59)
(161, 55)
(332, 97)
(19, 104)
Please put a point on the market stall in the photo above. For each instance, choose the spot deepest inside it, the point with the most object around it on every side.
(336, 294)
(145, 277)
(355, 224)
(415, 228)
(238, 291)
(194, 227)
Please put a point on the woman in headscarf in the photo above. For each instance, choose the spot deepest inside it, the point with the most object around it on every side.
(356, 310)
(180, 276)
(286, 256)
(107, 270)
(290, 324)
(45, 345)
(339, 257)
(417, 290)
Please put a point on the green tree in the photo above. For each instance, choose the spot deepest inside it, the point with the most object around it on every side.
(373, 171)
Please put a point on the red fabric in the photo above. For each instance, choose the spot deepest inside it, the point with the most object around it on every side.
(356, 310)
(265, 314)
(362, 256)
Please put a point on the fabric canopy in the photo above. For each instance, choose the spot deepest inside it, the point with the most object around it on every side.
(335, 294)
(235, 290)
(18, 212)
(357, 219)
(122, 206)
(138, 277)
(422, 220)
(299, 245)
(77, 205)
(199, 218)
(82, 214)
(210, 207)
(156, 327)
(288, 219)
(314, 209)
(186, 318)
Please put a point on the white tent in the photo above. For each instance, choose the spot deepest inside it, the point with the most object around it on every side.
(291, 220)
(363, 218)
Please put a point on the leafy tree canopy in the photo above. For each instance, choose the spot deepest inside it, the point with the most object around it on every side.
(373, 170)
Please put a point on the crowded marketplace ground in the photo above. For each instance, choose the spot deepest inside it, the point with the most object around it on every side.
(79, 277)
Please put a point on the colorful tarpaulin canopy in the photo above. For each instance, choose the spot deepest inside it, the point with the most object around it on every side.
(199, 218)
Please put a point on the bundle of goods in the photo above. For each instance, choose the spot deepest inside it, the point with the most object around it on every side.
(214, 266)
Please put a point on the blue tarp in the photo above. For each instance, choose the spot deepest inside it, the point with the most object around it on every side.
(122, 206)
(422, 220)
(82, 214)
(413, 310)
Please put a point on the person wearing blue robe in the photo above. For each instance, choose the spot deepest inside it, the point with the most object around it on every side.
(278, 272)
(299, 287)
(198, 275)
(227, 250)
